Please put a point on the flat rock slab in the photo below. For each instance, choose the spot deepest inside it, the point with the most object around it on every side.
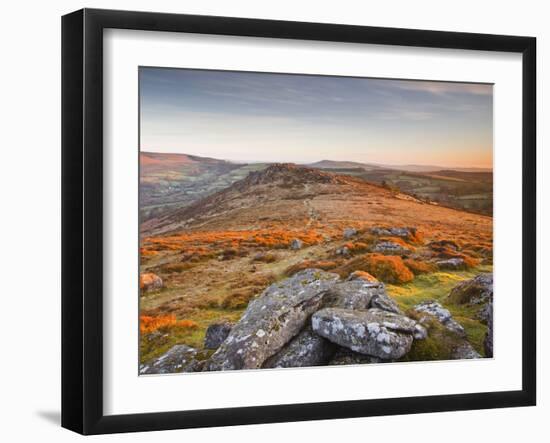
(306, 349)
(353, 294)
(452, 264)
(272, 320)
(359, 293)
(373, 332)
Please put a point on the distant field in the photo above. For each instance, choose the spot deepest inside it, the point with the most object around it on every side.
(471, 191)
(172, 181)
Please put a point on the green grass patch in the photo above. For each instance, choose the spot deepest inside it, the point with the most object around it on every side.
(438, 345)
(153, 345)
(436, 286)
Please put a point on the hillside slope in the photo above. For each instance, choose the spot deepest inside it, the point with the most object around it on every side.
(205, 262)
(169, 181)
(295, 196)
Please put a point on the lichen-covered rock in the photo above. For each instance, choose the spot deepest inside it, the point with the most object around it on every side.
(434, 308)
(420, 332)
(488, 341)
(475, 291)
(442, 315)
(216, 333)
(485, 313)
(306, 349)
(454, 264)
(180, 358)
(353, 294)
(271, 320)
(443, 245)
(464, 351)
(359, 293)
(454, 326)
(372, 332)
(391, 248)
(344, 250)
(382, 300)
(149, 281)
(405, 232)
(344, 356)
(349, 232)
(296, 244)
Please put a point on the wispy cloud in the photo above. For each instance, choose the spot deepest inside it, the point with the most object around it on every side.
(237, 115)
(442, 88)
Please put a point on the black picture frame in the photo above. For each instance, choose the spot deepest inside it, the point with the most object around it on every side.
(82, 218)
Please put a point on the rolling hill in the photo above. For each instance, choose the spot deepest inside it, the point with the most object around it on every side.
(169, 181)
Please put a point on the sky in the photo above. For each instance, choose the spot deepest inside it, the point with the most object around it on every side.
(260, 117)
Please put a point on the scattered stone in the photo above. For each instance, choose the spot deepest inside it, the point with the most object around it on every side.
(344, 356)
(296, 244)
(475, 291)
(454, 326)
(434, 308)
(180, 358)
(464, 351)
(150, 282)
(391, 248)
(405, 232)
(420, 332)
(488, 341)
(344, 250)
(373, 332)
(349, 232)
(454, 264)
(271, 320)
(216, 333)
(306, 349)
(442, 315)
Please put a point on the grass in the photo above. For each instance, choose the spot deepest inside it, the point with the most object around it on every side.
(437, 346)
(211, 277)
(154, 345)
(436, 286)
(325, 265)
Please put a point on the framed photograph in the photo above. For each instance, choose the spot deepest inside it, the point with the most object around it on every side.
(268, 221)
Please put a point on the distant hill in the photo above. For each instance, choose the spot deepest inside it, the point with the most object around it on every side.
(429, 168)
(337, 164)
(296, 196)
(170, 181)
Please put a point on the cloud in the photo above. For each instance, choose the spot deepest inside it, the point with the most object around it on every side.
(442, 88)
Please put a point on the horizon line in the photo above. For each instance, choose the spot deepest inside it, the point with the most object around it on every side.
(377, 164)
